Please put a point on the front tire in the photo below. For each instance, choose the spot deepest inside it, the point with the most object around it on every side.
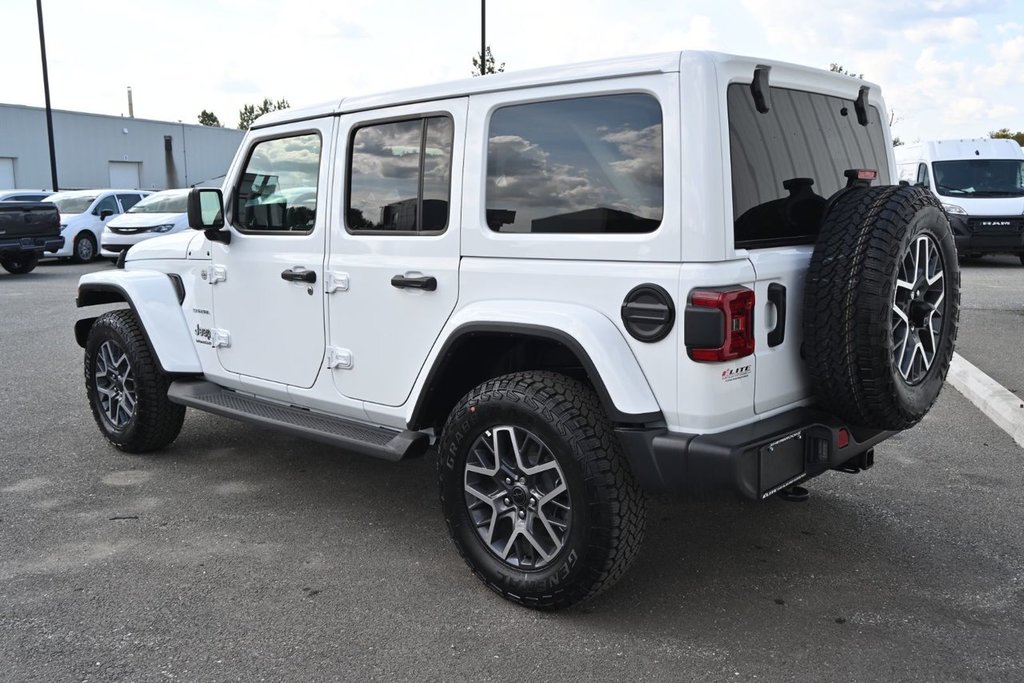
(127, 389)
(84, 248)
(536, 492)
(20, 263)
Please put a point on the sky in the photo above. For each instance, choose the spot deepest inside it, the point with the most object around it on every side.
(948, 68)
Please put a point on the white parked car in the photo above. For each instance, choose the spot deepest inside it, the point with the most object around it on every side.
(685, 272)
(83, 213)
(24, 195)
(160, 213)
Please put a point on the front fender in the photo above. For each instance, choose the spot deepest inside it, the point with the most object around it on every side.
(596, 341)
(154, 300)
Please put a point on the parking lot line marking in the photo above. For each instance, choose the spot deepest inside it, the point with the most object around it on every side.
(993, 399)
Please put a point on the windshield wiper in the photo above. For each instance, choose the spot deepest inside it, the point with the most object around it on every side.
(940, 186)
(998, 193)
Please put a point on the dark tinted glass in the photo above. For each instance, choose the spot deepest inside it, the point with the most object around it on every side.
(128, 200)
(105, 204)
(437, 173)
(980, 178)
(278, 189)
(582, 165)
(788, 162)
(399, 176)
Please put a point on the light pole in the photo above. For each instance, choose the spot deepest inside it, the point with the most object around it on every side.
(483, 37)
(46, 92)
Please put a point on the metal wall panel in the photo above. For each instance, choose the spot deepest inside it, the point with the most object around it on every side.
(168, 154)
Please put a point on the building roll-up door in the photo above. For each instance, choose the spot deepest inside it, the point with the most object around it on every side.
(124, 175)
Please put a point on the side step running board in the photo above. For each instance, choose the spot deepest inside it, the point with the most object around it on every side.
(377, 442)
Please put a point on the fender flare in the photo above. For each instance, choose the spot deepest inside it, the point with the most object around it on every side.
(597, 343)
(154, 298)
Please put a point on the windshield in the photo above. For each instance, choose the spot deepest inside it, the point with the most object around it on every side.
(71, 204)
(162, 203)
(980, 178)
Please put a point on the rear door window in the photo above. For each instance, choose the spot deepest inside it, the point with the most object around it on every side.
(582, 165)
(786, 163)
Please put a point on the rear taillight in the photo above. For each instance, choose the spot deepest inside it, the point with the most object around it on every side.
(719, 324)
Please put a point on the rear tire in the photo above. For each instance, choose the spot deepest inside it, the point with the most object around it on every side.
(84, 248)
(20, 263)
(127, 389)
(536, 492)
(881, 306)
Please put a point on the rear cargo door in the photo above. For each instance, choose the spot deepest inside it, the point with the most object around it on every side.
(785, 164)
(778, 320)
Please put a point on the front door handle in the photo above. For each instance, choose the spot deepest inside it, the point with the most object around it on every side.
(299, 275)
(425, 282)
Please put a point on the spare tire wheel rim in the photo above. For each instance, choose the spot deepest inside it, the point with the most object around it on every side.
(918, 309)
(517, 497)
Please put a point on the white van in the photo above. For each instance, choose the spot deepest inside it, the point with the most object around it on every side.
(981, 186)
(83, 213)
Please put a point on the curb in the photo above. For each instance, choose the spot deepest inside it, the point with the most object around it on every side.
(993, 399)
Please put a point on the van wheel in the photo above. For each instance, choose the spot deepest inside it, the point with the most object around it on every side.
(881, 306)
(127, 389)
(20, 263)
(84, 248)
(536, 493)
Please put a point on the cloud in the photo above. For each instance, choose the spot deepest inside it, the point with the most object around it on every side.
(958, 29)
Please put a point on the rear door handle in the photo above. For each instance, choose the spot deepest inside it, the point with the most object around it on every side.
(777, 296)
(299, 274)
(424, 282)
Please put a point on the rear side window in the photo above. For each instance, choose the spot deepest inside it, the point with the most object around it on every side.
(128, 200)
(400, 176)
(277, 192)
(584, 165)
(788, 162)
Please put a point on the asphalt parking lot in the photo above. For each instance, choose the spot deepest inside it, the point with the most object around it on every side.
(240, 554)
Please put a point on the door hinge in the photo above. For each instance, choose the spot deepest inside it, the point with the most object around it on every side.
(336, 282)
(220, 338)
(214, 274)
(339, 359)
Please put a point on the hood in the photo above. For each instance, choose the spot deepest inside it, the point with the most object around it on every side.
(66, 218)
(145, 220)
(987, 206)
(173, 245)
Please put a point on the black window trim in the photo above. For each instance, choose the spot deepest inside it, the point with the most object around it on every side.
(231, 207)
(422, 117)
(554, 236)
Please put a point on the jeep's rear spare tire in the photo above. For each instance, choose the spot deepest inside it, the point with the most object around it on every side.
(881, 306)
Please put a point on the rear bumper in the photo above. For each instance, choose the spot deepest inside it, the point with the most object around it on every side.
(38, 245)
(754, 461)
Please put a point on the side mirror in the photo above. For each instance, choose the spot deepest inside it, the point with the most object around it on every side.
(206, 213)
(105, 214)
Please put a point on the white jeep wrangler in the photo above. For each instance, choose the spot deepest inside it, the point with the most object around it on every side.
(684, 273)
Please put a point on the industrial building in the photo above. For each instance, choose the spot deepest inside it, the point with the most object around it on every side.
(96, 150)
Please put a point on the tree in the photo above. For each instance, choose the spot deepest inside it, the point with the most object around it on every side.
(208, 118)
(490, 67)
(839, 69)
(250, 112)
(1005, 134)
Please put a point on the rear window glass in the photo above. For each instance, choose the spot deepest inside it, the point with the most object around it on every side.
(788, 162)
(584, 165)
